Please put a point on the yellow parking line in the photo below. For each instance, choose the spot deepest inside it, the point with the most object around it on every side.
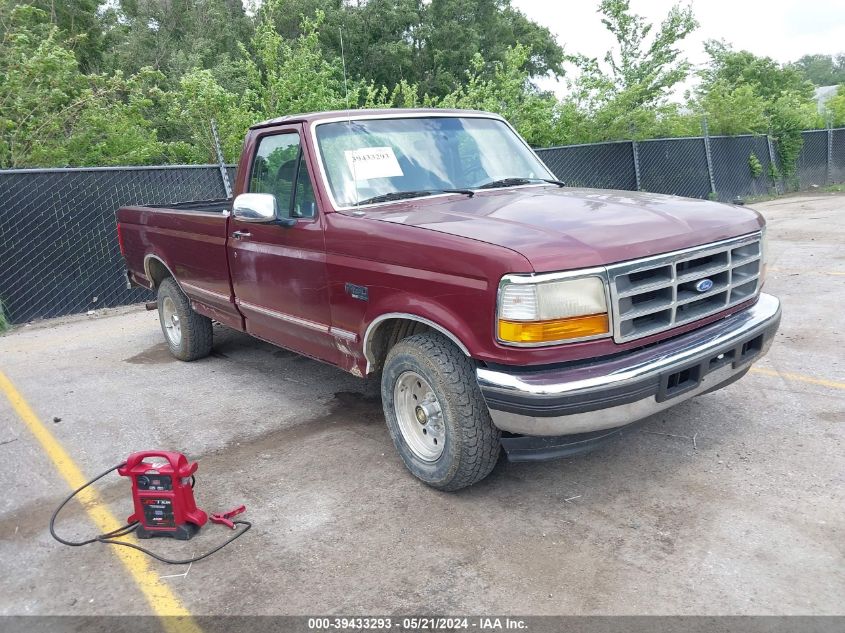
(799, 377)
(162, 600)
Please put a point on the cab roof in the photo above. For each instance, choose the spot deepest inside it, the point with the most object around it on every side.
(364, 113)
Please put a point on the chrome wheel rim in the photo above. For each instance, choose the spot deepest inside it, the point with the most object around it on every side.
(171, 322)
(420, 416)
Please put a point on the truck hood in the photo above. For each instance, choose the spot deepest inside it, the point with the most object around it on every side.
(562, 229)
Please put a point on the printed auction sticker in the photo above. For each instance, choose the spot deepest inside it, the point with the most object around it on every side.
(368, 163)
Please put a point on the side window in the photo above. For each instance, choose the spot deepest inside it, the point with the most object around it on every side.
(279, 168)
(274, 168)
(304, 202)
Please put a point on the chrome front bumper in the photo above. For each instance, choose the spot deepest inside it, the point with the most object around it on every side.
(596, 395)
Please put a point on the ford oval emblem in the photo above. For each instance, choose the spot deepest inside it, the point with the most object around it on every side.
(704, 285)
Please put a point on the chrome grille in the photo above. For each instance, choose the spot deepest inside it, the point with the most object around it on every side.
(658, 293)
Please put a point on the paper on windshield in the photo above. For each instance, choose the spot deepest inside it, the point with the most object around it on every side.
(368, 163)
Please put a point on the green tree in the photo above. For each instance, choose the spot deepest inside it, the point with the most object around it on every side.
(822, 70)
(836, 107)
(40, 86)
(744, 93)
(455, 31)
(734, 110)
(51, 114)
(644, 67)
(113, 128)
(382, 40)
(403, 95)
(428, 43)
(291, 76)
(508, 91)
(81, 27)
(626, 95)
(175, 36)
(768, 79)
(199, 100)
(289, 14)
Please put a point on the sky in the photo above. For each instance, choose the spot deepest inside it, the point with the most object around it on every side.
(782, 29)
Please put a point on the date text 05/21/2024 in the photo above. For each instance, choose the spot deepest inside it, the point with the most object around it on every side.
(482, 623)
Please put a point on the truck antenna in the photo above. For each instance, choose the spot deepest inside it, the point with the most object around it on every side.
(343, 60)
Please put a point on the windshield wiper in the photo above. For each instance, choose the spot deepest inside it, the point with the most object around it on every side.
(513, 182)
(403, 195)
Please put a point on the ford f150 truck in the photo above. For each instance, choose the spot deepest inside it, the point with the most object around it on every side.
(433, 251)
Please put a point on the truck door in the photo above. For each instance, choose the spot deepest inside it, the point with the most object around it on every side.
(279, 273)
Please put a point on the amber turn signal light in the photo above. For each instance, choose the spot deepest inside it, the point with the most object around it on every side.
(554, 330)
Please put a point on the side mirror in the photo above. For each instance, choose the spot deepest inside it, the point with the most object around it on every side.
(259, 208)
(255, 207)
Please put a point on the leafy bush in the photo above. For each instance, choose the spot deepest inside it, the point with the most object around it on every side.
(836, 107)
(755, 165)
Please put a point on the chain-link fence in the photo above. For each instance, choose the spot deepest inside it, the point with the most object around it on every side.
(837, 156)
(723, 168)
(58, 249)
(812, 162)
(676, 166)
(59, 254)
(597, 165)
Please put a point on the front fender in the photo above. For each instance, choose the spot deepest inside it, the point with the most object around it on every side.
(435, 315)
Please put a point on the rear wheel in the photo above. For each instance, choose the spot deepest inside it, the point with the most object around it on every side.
(188, 334)
(435, 413)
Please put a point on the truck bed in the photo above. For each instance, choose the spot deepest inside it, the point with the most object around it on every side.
(187, 240)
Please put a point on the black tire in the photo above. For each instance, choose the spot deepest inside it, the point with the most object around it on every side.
(196, 331)
(471, 447)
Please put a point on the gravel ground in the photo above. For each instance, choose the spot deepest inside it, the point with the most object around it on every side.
(731, 503)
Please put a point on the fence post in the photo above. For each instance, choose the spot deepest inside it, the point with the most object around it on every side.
(706, 132)
(636, 148)
(829, 175)
(777, 182)
(224, 174)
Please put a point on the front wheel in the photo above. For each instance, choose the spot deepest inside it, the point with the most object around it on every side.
(187, 333)
(435, 413)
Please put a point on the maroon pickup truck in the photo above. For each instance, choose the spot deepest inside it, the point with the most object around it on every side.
(433, 251)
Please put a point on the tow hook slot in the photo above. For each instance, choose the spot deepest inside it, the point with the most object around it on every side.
(679, 382)
(689, 378)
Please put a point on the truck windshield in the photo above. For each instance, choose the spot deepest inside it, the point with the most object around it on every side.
(371, 158)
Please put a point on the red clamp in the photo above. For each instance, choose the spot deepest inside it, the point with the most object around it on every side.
(224, 517)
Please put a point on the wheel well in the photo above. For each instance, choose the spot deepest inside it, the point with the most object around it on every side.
(394, 328)
(157, 271)
(387, 334)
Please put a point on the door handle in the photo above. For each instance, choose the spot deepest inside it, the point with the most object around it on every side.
(239, 235)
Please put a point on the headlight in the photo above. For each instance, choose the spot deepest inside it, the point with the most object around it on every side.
(547, 312)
